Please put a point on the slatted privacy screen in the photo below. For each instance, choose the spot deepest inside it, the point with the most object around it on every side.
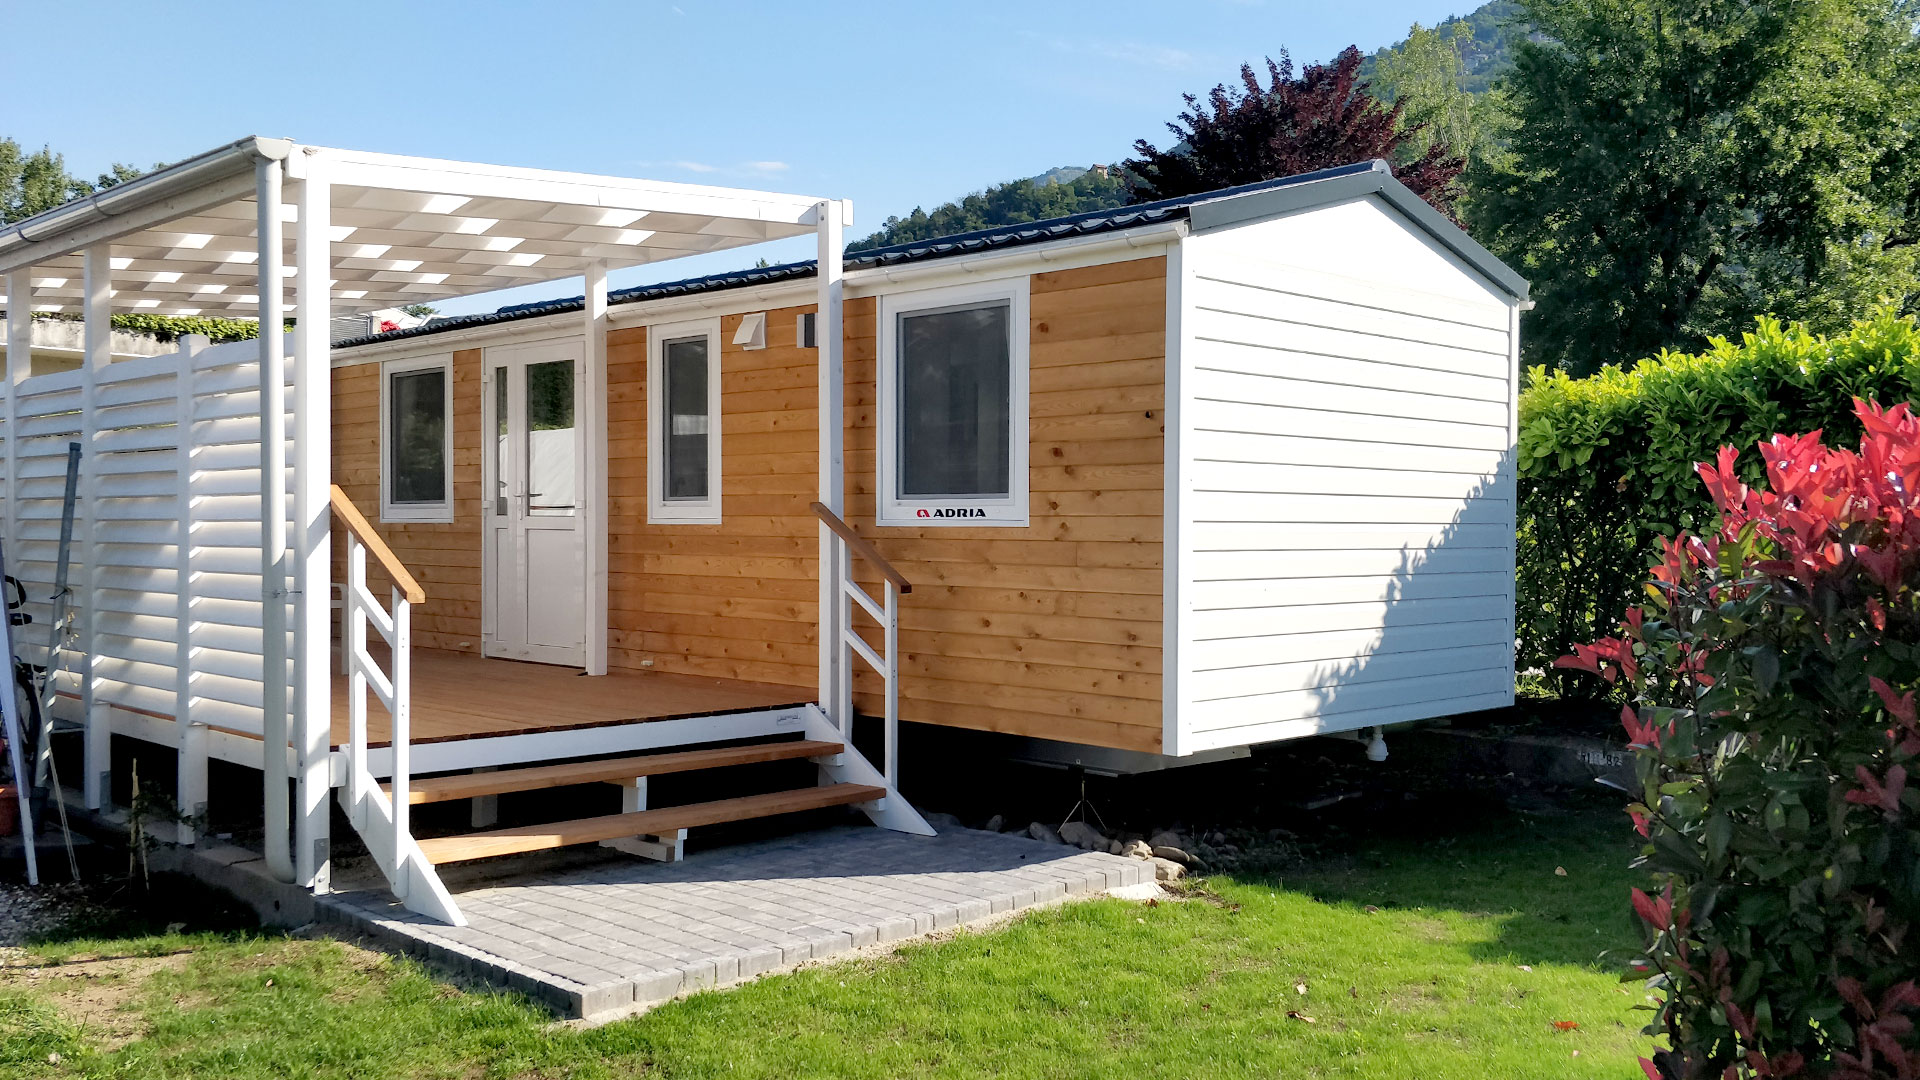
(169, 500)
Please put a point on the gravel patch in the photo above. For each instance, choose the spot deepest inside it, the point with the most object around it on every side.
(29, 911)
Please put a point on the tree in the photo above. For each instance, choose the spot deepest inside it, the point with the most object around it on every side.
(1680, 167)
(1484, 37)
(32, 183)
(421, 311)
(1425, 75)
(1011, 203)
(1324, 118)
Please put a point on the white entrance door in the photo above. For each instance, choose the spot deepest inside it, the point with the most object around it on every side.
(534, 604)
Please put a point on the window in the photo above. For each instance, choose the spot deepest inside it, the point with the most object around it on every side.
(683, 420)
(416, 439)
(953, 406)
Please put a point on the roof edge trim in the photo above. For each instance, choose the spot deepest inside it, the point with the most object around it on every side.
(1378, 179)
(215, 164)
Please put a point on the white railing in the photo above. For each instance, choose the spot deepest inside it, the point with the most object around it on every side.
(885, 612)
(383, 817)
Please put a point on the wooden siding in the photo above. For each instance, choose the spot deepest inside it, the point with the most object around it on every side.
(1348, 500)
(1052, 630)
(737, 599)
(445, 557)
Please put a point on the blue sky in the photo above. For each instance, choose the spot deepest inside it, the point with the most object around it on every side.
(889, 104)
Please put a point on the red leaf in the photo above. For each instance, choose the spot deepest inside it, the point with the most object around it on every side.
(1900, 708)
(1565, 1025)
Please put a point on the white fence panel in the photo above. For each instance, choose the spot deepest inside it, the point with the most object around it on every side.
(168, 495)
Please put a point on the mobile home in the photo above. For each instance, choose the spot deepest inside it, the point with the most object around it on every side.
(1164, 480)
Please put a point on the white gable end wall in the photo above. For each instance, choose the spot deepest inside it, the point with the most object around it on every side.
(1344, 505)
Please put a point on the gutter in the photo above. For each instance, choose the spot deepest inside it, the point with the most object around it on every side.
(866, 280)
(861, 281)
(234, 159)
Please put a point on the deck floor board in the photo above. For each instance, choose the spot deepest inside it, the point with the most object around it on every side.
(459, 696)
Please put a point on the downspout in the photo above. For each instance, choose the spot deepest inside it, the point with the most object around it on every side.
(273, 526)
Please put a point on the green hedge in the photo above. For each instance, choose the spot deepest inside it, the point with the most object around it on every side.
(1607, 460)
(173, 327)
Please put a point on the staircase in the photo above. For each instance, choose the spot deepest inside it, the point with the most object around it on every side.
(381, 813)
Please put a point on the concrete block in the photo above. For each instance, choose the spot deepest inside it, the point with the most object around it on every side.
(655, 987)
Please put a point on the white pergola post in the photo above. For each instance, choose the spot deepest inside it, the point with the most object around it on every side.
(19, 366)
(313, 476)
(190, 737)
(273, 523)
(833, 473)
(97, 310)
(593, 508)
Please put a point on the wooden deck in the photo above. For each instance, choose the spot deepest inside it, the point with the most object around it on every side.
(459, 696)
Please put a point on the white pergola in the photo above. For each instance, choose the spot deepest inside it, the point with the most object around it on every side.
(261, 228)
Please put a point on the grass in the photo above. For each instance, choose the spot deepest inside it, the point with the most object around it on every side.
(1421, 957)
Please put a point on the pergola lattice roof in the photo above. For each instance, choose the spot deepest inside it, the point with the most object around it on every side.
(404, 230)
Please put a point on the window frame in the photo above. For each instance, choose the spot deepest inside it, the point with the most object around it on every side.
(1004, 511)
(434, 513)
(660, 509)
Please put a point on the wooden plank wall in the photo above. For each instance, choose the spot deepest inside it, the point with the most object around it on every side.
(1052, 630)
(446, 558)
(734, 600)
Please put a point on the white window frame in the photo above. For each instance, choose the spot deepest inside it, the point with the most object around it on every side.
(438, 513)
(1008, 511)
(660, 509)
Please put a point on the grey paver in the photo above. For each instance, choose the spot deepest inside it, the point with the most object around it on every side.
(606, 936)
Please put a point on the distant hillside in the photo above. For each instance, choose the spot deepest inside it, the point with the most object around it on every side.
(1071, 189)
(1057, 192)
(1488, 55)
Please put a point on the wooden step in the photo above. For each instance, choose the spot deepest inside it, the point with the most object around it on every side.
(538, 777)
(483, 845)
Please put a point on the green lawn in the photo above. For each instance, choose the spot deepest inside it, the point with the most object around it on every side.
(1426, 958)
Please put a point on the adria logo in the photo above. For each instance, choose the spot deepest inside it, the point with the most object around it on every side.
(951, 512)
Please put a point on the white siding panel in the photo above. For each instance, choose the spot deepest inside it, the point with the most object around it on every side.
(1219, 299)
(1277, 449)
(1314, 479)
(1215, 415)
(1346, 495)
(1241, 652)
(1334, 563)
(1311, 536)
(1366, 589)
(1222, 373)
(1355, 508)
(1337, 676)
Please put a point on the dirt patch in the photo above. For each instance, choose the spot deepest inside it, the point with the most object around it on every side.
(100, 995)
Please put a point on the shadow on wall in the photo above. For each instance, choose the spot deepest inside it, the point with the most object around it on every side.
(1379, 620)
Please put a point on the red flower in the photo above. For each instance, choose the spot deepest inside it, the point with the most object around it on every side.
(388, 326)
(1640, 821)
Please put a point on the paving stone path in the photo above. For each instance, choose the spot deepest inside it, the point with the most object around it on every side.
(618, 934)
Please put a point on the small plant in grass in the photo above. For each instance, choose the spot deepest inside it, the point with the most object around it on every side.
(1771, 684)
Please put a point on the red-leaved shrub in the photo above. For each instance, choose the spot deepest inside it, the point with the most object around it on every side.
(1772, 679)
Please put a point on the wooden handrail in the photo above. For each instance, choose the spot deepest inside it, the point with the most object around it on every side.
(862, 548)
(357, 525)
